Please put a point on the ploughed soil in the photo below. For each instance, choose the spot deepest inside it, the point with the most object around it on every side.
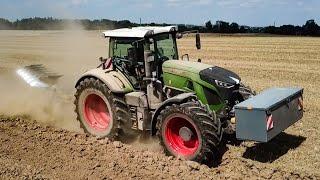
(32, 151)
(40, 138)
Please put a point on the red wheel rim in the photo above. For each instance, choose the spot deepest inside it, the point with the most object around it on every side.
(96, 112)
(175, 142)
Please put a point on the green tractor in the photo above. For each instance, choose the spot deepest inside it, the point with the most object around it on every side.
(143, 87)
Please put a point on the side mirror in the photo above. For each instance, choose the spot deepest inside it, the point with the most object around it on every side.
(198, 41)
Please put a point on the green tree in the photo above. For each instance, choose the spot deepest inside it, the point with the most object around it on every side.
(5, 24)
(311, 28)
(209, 27)
(234, 28)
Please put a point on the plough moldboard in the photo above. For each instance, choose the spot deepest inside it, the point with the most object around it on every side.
(38, 75)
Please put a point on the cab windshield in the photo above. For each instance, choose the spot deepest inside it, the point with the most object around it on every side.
(165, 46)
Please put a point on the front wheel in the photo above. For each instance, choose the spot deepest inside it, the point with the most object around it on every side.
(190, 131)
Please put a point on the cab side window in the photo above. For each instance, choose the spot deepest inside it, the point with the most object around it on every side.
(120, 49)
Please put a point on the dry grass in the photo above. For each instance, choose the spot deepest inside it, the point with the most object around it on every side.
(262, 62)
(265, 62)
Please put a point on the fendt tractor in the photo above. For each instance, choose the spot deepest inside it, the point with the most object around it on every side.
(143, 87)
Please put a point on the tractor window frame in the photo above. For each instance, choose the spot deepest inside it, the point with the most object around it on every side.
(112, 43)
(175, 46)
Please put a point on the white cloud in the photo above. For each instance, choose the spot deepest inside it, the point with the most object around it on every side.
(183, 3)
(135, 3)
(300, 3)
(144, 3)
(239, 3)
(250, 3)
(78, 2)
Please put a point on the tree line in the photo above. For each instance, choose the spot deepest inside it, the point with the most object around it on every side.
(61, 24)
(50, 23)
(310, 28)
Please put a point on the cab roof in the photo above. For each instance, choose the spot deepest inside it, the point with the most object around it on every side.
(140, 32)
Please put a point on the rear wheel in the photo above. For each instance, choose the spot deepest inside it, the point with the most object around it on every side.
(189, 131)
(99, 111)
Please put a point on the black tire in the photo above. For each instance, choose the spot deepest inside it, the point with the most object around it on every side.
(207, 128)
(246, 92)
(116, 106)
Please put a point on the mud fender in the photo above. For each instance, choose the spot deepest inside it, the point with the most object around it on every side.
(115, 80)
(179, 99)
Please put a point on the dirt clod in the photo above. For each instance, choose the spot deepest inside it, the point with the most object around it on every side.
(54, 154)
(193, 165)
(117, 144)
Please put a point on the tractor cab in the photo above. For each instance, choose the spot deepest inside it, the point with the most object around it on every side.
(127, 47)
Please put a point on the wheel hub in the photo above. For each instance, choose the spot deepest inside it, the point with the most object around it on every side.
(96, 112)
(181, 136)
(185, 133)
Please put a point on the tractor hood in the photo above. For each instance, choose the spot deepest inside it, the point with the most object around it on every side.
(207, 72)
(176, 66)
(217, 73)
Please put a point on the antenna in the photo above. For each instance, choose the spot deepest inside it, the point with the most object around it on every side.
(140, 21)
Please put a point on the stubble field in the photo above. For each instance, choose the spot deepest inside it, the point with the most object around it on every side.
(34, 150)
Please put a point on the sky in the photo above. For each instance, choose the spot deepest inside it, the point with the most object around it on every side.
(244, 12)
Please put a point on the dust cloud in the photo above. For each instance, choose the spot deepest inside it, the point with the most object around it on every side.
(43, 105)
(70, 53)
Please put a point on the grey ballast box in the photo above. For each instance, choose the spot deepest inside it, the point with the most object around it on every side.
(266, 115)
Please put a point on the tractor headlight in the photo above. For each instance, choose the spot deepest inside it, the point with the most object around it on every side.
(223, 84)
